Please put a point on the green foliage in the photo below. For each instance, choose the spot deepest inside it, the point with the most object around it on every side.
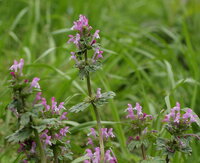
(84, 69)
(20, 135)
(79, 107)
(104, 98)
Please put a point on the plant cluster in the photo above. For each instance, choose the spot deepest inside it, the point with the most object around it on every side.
(41, 129)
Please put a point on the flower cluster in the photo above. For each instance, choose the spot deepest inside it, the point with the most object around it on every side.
(106, 133)
(48, 139)
(17, 67)
(48, 130)
(139, 114)
(175, 116)
(22, 87)
(54, 108)
(84, 40)
(95, 156)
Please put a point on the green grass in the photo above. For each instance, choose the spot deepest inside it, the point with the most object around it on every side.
(151, 56)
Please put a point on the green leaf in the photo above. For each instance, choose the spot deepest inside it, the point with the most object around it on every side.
(20, 135)
(79, 107)
(104, 98)
(25, 118)
(80, 159)
(134, 144)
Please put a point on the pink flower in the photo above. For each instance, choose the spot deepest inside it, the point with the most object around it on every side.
(37, 97)
(96, 34)
(90, 142)
(44, 134)
(89, 153)
(97, 54)
(104, 132)
(57, 136)
(130, 112)
(73, 56)
(176, 117)
(81, 24)
(110, 133)
(21, 148)
(96, 157)
(44, 103)
(54, 106)
(109, 158)
(98, 95)
(75, 39)
(63, 116)
(33, 147)
(140, 115)
(107, 133)
(17, 66)
(35, 83)
(64, 130)
(48, 140)
(138, 108)
(92, 132)
(25, 161)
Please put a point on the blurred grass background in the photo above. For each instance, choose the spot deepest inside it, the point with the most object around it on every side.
(151, 56)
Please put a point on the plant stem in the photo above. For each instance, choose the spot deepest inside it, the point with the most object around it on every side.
(98, 119)
(167, 159)
(39, 144)
(143, 152)
(55, 154)
(142, 148)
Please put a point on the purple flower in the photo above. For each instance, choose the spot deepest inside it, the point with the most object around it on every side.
(96, 34)
(35, 83)
(33, 147)
(104, 132)
(57, 136)
(97, 54)
(138, 108)
(37, 97)
(73, 56)
(130, 112)
(109, 158)
(63, 116)
(139, 114)
(25, 161)
(21, 148)
(48, 140)
(110, 133)
(92, 132)
(98, 95)
(64, 130)
(96, 156)
(44, 103)
(80, 24)
(17, 66)
(74, 39)
(44, 134)
(89, 141)
(54, 107)
(107, 133)
(176, 117)
(89, 153)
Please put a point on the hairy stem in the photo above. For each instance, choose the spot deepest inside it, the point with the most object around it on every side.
(55, 154)
(143, 152)
(167, 159)
(98, 119)
(39, 144)
(142, 148)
